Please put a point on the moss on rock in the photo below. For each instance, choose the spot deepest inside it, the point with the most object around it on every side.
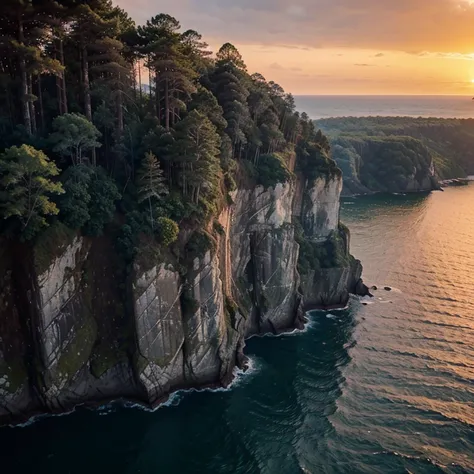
(78, 351)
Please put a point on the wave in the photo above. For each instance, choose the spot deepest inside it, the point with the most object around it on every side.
(239, 376)
(423, 459)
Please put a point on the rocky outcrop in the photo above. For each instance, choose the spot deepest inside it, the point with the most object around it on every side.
(264, 257)
(82, 327)
(320, 209)
(379, 164)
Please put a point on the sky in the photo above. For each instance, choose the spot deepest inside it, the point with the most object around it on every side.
(338, 46)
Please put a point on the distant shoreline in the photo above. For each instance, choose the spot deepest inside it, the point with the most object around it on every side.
(425, 106)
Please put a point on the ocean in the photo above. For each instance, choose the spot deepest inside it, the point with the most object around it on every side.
(318, 107)
(385, 386)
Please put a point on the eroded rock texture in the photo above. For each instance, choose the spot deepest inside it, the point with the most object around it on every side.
(86, 329)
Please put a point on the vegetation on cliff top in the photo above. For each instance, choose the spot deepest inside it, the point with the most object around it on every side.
(387, 164)
(449, 142)
(152, 157)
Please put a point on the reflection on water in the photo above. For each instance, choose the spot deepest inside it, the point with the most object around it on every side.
(386, 387)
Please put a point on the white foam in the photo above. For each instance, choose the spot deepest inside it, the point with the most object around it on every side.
(39, 417)
(240, 376)
(295, 332)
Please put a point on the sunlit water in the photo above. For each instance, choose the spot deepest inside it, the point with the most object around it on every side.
(443, 106)
(382, 388)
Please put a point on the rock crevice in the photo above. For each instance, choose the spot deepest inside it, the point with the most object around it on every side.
(85, 330)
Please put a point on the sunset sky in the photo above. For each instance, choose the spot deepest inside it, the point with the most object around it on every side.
(338, 46)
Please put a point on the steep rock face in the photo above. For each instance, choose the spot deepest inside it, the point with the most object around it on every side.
(320, 212)
(332, 274)
(78, 331)
(185, 336)
(394, 164)
(68, 325)
(15, 396)
(264, 257)
(80, 328)
(265, 254)
(159, 328)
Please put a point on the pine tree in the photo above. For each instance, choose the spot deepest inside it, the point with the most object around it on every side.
(197, 149)
(151, 186)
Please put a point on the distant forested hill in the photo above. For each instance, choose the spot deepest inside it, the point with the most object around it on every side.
(386, 153)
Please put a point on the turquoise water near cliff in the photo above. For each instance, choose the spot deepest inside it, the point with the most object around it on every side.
(382, 388)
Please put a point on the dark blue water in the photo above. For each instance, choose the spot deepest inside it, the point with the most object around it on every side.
(447, 106)
(382, 388)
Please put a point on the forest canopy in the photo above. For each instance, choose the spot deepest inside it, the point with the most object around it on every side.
(449, 141)
(105, 122)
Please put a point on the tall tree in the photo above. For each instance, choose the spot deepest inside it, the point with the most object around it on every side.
(228, 83)
(151, 186)
(26, 187)
(74, 136)
(197, 150)
(173, 70)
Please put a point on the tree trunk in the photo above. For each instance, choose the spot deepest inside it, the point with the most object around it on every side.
(134, 79)
(40, 101)
(151, 215)
(63, 79)
(167, 107)
(24, 81)
(157, 97)
(31, 105)
(86, 88)
(140, 81)
(120, 110)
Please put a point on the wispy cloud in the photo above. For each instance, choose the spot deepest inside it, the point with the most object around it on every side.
(276, 66)
(441, 55)
(402, 25)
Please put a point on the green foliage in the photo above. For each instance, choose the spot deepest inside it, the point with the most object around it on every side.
(167, 231)
(70, 85)
(151, 187)
(26, 187)
(74, 204)
(272, 170)
(104, 193)
(229, 183)
(315, 255)
(199, 244)
(50, 244)
(313, 159)
(127, 241)
(449, 141)
(197, 151)
(74, 136)
(218, 227)
(383, 163)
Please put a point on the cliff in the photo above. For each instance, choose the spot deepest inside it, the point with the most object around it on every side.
(450, 141)
(384, 164)
(78, 326)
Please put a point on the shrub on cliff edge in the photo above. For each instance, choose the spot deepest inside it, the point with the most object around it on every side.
(271, 170)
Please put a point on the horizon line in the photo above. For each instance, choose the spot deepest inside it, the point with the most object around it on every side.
(384, 95)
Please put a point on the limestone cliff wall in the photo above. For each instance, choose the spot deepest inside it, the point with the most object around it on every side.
(264, 257)
(84, 328)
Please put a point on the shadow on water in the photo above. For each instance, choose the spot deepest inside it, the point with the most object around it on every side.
(275, 420)
(370, 206)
